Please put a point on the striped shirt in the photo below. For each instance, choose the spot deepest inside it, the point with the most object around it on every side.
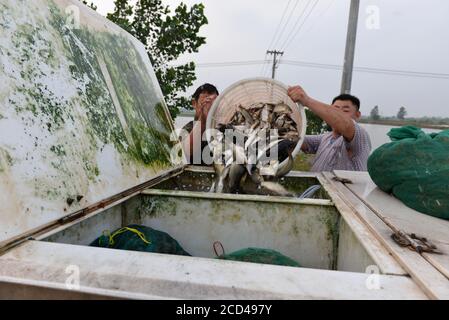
(336, 153)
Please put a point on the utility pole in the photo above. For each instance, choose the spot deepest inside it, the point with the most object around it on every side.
(275, 62)
(348, 65)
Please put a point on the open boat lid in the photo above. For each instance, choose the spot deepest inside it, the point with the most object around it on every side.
(82, 116)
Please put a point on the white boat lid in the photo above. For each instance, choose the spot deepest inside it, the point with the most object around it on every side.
(82, 116)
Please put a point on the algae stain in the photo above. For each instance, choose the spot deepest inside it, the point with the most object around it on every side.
(142, 108)
(35, 50)
(295, 229)
(331, 221)
(153, 206)
(234, 218)
(6, 160)
(40, 100)
(58, 150)
(216, 210)
(91, 169)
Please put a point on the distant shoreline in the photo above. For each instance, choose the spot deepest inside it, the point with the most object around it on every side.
(384, 122)
(401, 123)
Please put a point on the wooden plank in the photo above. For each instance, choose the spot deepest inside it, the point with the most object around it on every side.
(383, 259)
(210, 169)
(441, 262)
(24, 289)
(404, 218)
(433, 282)
(130, 273)
(239, 197)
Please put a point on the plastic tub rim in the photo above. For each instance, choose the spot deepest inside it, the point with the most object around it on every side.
(263, 79)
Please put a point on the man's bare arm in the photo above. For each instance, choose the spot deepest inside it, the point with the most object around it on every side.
(332, 116)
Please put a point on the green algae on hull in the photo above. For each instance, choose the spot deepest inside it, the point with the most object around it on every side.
(141, 106)
(5, 160)
(81, 113)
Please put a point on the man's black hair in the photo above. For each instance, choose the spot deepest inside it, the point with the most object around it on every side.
(348, 97)
(207, 87)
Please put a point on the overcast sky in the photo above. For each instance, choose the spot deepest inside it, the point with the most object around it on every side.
(403, 35)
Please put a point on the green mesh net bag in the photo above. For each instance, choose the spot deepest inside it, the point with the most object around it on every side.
(264, 256)
(414, 167)
(140, 238)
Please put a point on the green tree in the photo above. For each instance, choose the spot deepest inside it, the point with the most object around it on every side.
(166, 37)
(402, 113)
(374, 114)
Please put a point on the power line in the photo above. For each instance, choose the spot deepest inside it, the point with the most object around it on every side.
(279, 25)
(312, 65)
(318, 18)
(328, 67)
(298, 19)
(232, 63)
(404, 73)
(275, 63)
(286, 24)
(290, 39)
(267, 72)
(262, 69)
(370, 70)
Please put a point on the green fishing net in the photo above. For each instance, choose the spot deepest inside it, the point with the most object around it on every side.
(414, 167)
(140, 238)
(257, 255)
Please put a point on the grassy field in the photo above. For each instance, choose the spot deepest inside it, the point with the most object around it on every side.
(303, 162)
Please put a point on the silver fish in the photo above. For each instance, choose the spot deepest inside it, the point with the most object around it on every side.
(282, 108)
(220, 185)
(286, 168)
(274, 189)
(236, 173)
(265, 114)
(247, 163)
(249, 120)
(269, 188)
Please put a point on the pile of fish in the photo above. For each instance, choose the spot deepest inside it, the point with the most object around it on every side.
(249, 149)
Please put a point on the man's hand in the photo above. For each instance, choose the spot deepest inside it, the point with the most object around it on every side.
(201, 112)
(334, 117)
(204, 107)
(297, 94)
